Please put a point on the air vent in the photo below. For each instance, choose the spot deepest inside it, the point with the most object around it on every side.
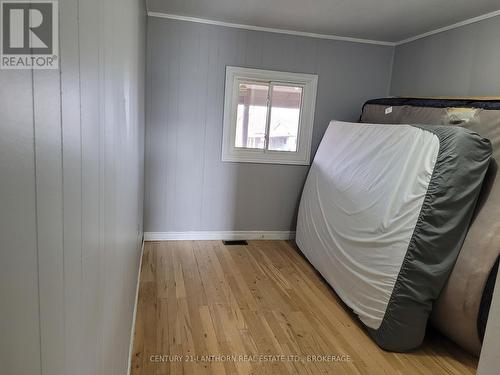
(235, 242)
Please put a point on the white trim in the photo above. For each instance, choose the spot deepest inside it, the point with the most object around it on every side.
(325, 36)
(309, 84)
(450, 27)
(134, 314)
(223, 235)
(269, 29)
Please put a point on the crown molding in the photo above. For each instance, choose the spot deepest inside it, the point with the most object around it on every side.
(269, 29)
(450, 27)
(325, 36)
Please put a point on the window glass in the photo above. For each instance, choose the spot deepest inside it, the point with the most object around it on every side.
(285, 118)
(251, 115)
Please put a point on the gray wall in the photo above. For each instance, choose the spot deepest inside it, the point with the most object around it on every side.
(188, 187)
(463, 61)
(71, 193)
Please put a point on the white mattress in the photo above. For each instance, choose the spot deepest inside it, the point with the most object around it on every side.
(360, 206)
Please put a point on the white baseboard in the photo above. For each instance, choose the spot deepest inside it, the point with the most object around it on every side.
(134, 314)
(224, 235)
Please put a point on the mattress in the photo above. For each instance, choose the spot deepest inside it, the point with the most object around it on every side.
(461, 310)
(383, 215)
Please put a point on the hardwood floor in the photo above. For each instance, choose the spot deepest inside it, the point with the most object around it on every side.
(203, 306)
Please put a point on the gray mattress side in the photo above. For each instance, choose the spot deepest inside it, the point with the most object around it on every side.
(438, 236)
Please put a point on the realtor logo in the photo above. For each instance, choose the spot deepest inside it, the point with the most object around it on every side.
(29, 34)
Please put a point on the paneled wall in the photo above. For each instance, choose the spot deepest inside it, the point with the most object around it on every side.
(188, 187)
(71, 196)
(459, 62)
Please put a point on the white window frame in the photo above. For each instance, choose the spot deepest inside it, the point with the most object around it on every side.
(309, 84)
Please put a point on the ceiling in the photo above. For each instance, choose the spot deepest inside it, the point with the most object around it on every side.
(382, 20)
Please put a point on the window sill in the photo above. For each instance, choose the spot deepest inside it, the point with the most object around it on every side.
(264, 160)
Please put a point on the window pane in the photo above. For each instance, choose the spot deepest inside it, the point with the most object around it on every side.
(285, 116)
(251, 115)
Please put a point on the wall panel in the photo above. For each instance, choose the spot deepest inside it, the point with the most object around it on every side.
(188, 187)
(458, 62)
(71, 196)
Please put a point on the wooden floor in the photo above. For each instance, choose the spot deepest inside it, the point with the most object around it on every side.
(206, 308)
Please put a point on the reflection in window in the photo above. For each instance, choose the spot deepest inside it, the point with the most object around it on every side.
(252, 115)
(285, 117)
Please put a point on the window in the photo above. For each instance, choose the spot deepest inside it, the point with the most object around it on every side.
(268, 116)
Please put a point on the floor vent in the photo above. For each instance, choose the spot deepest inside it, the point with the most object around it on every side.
(235, 242)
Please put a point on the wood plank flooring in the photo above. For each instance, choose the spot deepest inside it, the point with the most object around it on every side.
(206, 308)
